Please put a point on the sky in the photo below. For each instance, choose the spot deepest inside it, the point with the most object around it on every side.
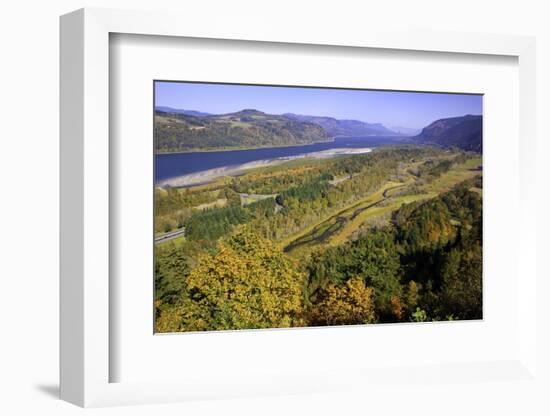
(391, 108)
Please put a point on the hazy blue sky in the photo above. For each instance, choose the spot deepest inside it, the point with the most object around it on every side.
(402, 109)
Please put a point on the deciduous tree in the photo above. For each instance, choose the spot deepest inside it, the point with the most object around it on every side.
(248, 283)
(348, 304)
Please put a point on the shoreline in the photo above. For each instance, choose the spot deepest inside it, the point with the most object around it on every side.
(237, 148)
(209, 175)
(230, 149)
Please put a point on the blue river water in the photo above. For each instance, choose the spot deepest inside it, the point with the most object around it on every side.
(173, 165)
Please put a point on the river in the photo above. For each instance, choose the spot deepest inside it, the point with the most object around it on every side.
(186, 169)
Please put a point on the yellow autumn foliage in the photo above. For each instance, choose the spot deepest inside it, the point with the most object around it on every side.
(169, 320)
(247, 284)
(349, 304)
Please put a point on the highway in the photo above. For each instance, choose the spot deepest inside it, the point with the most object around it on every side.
(170, 236)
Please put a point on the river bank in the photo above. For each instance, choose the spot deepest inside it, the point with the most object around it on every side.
(208, 175)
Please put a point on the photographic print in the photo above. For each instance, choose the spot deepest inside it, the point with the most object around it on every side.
(290, 206)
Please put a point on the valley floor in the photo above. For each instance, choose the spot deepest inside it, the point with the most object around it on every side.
(304, 212)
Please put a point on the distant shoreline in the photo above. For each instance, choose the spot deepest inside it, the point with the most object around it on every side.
(237, 148)
(229, 149)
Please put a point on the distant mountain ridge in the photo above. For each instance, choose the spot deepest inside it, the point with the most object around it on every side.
(337, 127)
(181, 130)
(464, 132)
(405, 131)
(171, 110)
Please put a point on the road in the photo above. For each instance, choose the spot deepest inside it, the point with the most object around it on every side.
(170, 236)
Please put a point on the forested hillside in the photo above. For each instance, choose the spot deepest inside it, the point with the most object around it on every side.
(178, 132)
(188, 130)
(463, 132)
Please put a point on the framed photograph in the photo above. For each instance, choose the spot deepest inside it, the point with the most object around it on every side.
(277, 213)
(268, 217)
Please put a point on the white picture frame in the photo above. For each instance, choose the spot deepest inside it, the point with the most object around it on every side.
(85, 211)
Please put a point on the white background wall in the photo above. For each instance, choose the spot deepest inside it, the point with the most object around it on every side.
(29, 203)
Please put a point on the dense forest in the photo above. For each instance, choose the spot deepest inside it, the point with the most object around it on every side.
(390, 236)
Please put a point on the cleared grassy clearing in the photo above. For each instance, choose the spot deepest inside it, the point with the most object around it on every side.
(337, 181)
(353, 224)
(247, 199)
(219, 203)
(456, 175)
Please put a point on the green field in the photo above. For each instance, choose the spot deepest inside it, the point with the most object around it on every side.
(247, 199)
(457, 174)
